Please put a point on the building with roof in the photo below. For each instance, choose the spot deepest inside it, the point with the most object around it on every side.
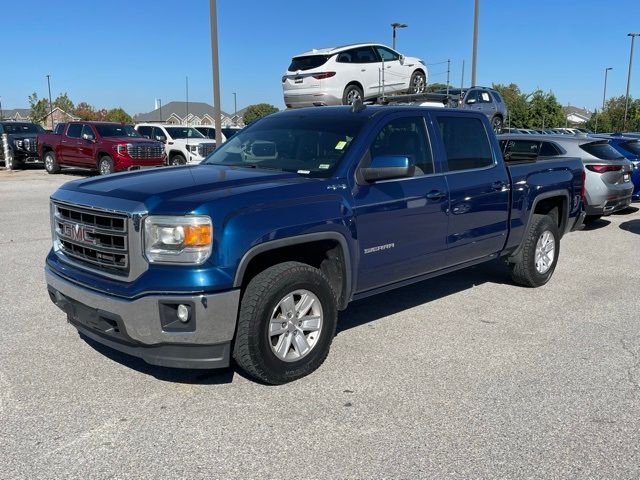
(576, 115)
(193, 113)
(17, 114)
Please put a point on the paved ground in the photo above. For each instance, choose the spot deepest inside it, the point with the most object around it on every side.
(464, 376)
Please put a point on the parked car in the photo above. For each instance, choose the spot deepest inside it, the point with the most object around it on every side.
(183, 144)
(103, 146)
(230, 131)
(18, 146)
(484, 99)
(209, 132)
(252, 253)
(629, 147)
(342, 75)
(607, 173)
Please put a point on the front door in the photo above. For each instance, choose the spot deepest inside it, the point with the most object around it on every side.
(396, 75)
(86, 147)
(401, 223)
(478, 188)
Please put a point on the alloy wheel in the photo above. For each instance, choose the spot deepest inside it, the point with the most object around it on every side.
(545, 252)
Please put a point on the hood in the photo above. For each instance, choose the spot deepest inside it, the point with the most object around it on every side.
(181, 188)
(132, 140)
(21, 136)
(191, 141)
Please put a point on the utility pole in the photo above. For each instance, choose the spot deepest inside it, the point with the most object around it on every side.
(216, 71)
(187, 89)
(626, 103)
(448, 71)
(50, 102)
(235, 109)
(1, 113)
(462, 78)
(394, 26)
(474, 59)
(604, 94)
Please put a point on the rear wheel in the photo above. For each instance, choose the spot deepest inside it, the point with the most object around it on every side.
(496, 123)
(418, 83)
(50, 163)
(536, 262)
(351, 94)
(286, 324)
(105, 165)
(589, 219)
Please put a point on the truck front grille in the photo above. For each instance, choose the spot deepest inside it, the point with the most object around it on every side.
(145, 150)
(29, 144)
(96, 239)
(205, 149)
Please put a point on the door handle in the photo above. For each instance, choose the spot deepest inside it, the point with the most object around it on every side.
(363, 69)
(498, 186)
(436, 195)
(63, 141)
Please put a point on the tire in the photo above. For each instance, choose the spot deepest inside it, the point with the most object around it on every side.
(529, 267)
(496, 123)
(105, 165)
(263, 353)
(418, 83)
(589, 219)
(351, 94)
(177, 159)
(50, 163)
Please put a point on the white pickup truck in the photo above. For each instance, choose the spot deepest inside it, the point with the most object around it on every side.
(183, 144)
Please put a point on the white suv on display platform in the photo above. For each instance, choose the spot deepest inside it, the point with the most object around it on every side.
(339, 76)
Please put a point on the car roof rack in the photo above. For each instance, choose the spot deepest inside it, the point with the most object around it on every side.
(410, 98)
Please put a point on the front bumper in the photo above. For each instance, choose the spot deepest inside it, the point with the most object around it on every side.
(145, 327)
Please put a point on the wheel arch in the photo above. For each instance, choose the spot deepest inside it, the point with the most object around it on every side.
(328, 251)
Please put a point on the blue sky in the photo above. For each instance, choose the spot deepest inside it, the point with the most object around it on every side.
(126, 53)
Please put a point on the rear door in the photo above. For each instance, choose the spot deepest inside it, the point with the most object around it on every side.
(478, 185)
(486, 104)
(68, 150)
(401, 223)
(363, 66)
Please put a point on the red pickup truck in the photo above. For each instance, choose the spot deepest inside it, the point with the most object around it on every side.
(103, 146)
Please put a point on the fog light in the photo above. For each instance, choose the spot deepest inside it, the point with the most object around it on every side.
(183, 313)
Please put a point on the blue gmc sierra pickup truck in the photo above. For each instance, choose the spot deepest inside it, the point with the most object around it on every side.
(251, 254)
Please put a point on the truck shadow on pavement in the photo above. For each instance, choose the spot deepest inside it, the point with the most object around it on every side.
(174, 375)
(632, 226)
(373, 308)
(596, 225)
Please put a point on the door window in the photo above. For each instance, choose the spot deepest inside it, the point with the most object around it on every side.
(465, 142)
(358, 55)
(517, 150)
(145, 131)
(549, 150)
(74, 130)
(86, 130)
(387, 54)
(472, 97)
(158, 132)
(484, 97)
(405, 137)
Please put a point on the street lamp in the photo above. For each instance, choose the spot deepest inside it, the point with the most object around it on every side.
(626, 103)
(215, 67)
(396, 25)
(474, 54)
(50, 103)
(604, 93)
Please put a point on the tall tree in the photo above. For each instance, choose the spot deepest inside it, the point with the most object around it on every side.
(517, 105)
(85, 111)
(63, 102)
(39, 108)
(118, 115)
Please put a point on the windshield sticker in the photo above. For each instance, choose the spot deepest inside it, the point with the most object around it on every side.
(324, 166)
(340, 145)
(304, 172)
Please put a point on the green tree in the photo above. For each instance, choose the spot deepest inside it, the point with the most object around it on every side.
(544, 110)
(118, 115)
(432, 87)
(611, 119)
(39, 108)
(64, 103)
(259, 110)
(517, 105)
(85, 111)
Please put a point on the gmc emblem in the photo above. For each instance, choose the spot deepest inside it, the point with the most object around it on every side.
(78, 233)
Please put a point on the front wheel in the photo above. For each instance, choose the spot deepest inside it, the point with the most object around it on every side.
(418, 83)
(177, 160)
(286, 324)
(105, 165)
(536, 262)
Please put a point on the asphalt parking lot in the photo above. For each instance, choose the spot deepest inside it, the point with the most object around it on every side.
(462, 376)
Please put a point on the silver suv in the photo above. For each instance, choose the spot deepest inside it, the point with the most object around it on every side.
(487, 100)
(608, 186)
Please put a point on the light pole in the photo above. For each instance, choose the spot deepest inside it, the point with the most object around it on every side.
(216, 71)
(474, 59)
(235, 109)
(395, 26)
(1, 113)
(604, 94)
(626, 103)
(50, 102)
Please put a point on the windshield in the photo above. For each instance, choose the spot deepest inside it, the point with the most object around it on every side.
(307, 63)
(309, 145)
(106, 130)
(603, 151)
(633, 146)
(22, 128)
(183, 132)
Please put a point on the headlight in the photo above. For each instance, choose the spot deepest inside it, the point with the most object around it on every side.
(185, 239)
(18, 143)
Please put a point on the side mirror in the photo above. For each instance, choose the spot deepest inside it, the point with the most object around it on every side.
(88, 137)
(387, 167)
(401, 58)
(161, 138)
